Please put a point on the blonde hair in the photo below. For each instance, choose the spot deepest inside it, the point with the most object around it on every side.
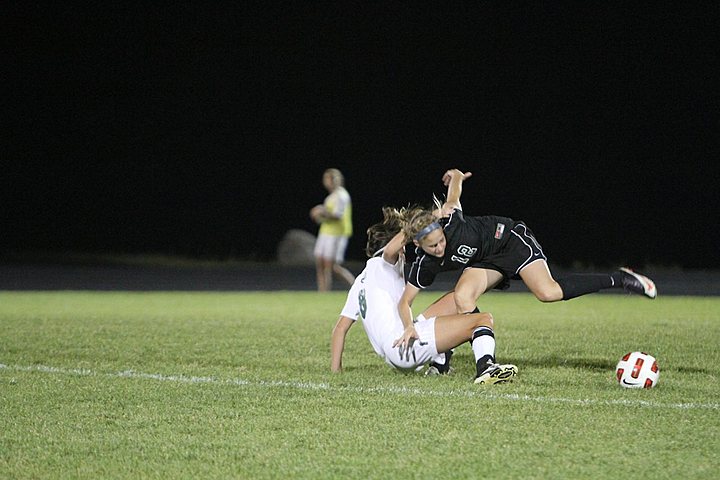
(336, 175)
(417, 218)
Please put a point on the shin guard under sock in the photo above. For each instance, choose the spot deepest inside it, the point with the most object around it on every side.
(582, 284)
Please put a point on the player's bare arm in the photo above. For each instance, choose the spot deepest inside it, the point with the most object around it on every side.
(394, 248)
(453, 179)
(405, 310)
(317, 213)
(337, 342)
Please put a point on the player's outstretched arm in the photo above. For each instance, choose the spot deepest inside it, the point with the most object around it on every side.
(337, 342)
(453, 179)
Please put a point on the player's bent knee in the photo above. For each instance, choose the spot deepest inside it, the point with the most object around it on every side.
(464, 303)
(486, 320)
(548, 295)
(477, 320)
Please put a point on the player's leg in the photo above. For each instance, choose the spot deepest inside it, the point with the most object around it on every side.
(321, 275)
(524, 255)
(444, 305)
(453, 330)
(524, 249)
(324, 273)
(323, 262)
(337, 268)
(539, 280)
(472, 283)
(456, 329)
(343, 273)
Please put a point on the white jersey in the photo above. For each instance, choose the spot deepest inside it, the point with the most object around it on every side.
(374, 296)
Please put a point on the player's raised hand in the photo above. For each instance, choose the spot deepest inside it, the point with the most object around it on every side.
(454, 172)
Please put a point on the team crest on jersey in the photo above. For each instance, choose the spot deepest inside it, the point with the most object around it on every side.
(466, 253)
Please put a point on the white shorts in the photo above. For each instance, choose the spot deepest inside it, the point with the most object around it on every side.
(423, 350)
(331, 247)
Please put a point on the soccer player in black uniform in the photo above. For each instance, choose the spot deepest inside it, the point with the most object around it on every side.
(491, 250)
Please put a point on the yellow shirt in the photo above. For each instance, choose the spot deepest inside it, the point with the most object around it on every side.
(338, 203)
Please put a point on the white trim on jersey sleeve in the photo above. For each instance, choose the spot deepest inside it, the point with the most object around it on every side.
(450, 218)
(417, 272)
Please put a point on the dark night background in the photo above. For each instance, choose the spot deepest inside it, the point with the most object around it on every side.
(202, 129)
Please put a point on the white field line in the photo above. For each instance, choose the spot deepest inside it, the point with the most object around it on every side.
(358, 389)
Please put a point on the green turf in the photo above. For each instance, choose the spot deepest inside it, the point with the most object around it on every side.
(237, 385)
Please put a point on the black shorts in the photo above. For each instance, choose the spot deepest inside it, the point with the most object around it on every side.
(521, 250)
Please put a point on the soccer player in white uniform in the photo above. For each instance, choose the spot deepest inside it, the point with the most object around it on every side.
(374, 298)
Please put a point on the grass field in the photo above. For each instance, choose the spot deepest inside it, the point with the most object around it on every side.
(237, 385)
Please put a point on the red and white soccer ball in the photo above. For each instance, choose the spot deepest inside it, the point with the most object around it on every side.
(637, 370)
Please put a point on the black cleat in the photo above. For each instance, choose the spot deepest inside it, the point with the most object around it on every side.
(440, 369)
(636, 283)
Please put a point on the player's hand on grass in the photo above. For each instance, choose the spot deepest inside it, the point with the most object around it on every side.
(405, 342)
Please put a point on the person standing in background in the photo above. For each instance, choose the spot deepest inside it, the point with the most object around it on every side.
(334, 216)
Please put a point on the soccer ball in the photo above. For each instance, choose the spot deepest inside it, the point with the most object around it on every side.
(637, 370)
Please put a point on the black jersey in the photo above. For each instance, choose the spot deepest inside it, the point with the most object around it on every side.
(469, 240)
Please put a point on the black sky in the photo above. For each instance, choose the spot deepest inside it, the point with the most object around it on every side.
(203, 129)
